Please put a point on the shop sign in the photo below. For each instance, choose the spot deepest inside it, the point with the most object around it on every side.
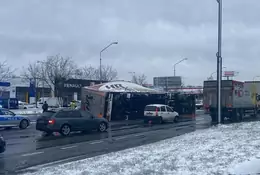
(67, 85)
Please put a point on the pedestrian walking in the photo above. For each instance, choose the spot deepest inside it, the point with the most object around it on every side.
(45, 106)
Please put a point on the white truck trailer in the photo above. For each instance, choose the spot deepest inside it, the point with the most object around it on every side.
(238, 100)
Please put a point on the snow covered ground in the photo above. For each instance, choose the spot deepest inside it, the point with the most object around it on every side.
(218, 150)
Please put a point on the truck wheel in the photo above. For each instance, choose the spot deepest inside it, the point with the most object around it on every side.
(235, 116)
(241, 115)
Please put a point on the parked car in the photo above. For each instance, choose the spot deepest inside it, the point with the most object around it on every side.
(65, 121)
(8, 119)
(160, 112)
(24, 105)
(2, 144)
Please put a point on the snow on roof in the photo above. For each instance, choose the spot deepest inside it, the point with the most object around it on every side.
(208, 151)
(120, 86)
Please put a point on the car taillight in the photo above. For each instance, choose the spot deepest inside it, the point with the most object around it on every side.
(156, 111)
(51, 122)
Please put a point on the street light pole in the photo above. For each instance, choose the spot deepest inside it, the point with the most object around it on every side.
(35, 91)
(100, 59)
(219, 60)
(133, 75)
(174, 66)
(211, 75)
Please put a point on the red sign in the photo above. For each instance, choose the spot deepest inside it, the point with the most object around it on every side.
(229, 73)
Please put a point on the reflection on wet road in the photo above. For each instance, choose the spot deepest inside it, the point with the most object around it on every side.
(28, 147)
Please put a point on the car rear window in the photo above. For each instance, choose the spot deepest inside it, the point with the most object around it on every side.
(150, 108)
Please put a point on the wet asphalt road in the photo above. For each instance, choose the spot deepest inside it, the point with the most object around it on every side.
(27, 148)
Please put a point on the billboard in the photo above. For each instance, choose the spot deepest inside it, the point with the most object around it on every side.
(32, 88)
(170, 81)
(229, 73)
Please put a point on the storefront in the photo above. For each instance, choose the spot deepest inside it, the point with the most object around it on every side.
(71, 89)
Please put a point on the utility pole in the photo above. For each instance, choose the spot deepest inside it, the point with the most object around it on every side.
(219, 60)
(35, 91)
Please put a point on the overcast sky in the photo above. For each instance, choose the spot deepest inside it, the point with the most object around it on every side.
(152, 35)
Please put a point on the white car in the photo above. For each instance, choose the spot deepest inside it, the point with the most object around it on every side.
(160, 112)
(199, 104)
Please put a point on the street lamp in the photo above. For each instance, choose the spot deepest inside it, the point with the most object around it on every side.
(100, 64)
(219, 60)
(211, 75)
(174, 67)
(132, 74)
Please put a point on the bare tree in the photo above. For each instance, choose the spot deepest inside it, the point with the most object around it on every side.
(139, 79)
(86, 72)
(108, 73)
(5, 71)
(56, 69)
(33, 71)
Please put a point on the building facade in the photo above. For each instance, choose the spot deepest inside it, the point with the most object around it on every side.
(20, 88)
(167, 82)
(71, 89)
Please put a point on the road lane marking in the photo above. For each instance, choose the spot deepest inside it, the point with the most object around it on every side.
(31, 154)
(120, 138)
(96, 142)
(138, 135)
(69, 147)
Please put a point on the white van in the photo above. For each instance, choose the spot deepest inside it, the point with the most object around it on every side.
(160, 112)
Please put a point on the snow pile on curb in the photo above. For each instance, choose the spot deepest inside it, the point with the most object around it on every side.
(248, 167)
(211, 151)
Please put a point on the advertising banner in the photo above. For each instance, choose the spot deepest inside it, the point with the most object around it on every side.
(32, 88)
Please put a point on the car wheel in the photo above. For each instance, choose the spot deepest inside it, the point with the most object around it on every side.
(2, 149)
(24, 124)
(161, 120)
(176, 119)
(102, 127)
(65, 130)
